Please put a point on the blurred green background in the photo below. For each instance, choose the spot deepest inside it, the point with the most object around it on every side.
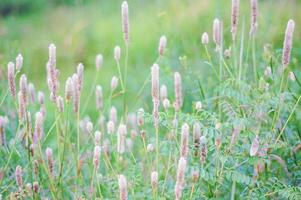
(82, 28)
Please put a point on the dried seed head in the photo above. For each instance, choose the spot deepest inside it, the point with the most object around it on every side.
(184, 141)
(80, 74)
(154, 179)
(98, 62)
(89, 127)
(234, 17)
(125, 21)
(19, 62)
(38, 132)
(178, 91)
(36, 187)
(99, 97)
(268, 71)
(198, 106)
(180, 178)
(114, 83)
(97, 137)
(113, 115)
(60, 104)
(49, 156)
(117, 53)
(217, 32)
(254, 14)
(205, 38)
(18, 174)
(97, 150)
(162, 45)
(122, 187)
(68, 89)
(288, 42)
(166, 104)
(11, 79)
(110, 127)
(292, 76)
(155, 93)
(150, 148)
(254, 146)
(32, 92)
(163, 92)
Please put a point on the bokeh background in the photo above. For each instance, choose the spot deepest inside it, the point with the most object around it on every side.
(82, 28)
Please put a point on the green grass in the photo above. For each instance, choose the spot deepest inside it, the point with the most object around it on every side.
(82, 30)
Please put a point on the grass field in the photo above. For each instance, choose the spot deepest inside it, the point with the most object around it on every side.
(241, 102)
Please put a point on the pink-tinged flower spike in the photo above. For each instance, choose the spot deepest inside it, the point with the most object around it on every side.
(205, 38)
(162, 45)
(19, 62)
(140, 117)
(123, 192)
(89, 127)
(41, 98)
(254, 146)
(234, 17)
(155, 93)
(178, 91)
(23, 88)
(110, 127)
(203, 149)
(11, 79)
(217, 33)
(31, 92)
(117, 53)
(121, 133)
(180, 178)
(154, 180)
(3, 123)
(80, 74)
(18, 175)
(287, 44)
(125, 21)
(254, 15)
(97, 150)
(166, 104)
(68, 89)
(38, 132)
(184, 141)
(50, 161)
(35, 187)
(114, 83)
(75, 93)
(97, 137)
(52, 73)
(22, 107)
(196, 137)
(60, 104)
(98, 62)
(99, 97)
(163, 92)
(113, 114)
(52, 53)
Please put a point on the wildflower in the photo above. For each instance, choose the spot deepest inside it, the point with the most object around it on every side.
(68, 89)
(163, 92)
(140, 119)
(98, 62)
(180, 178)
(234, 17)
(287, 44)
(114, 83)
(89, 127)
(203, 148)
(227, 53)
(3, 123)
(113, 114)
(32, 92)
(96, 155)
(150, 148)
(205, 38)
(75, 92)
(60, 103)
(36, 187)
(121, 133)
(125, 21)
(80, 75)
(184, 140)
(22, 106)
(52, 73)
(217, 33)
(166, 104)
(97, 137)
(254, 146)
(18, 175)
(117, 52)
(178, 91)
(154, 179)
(122, 187)
(11, 79)
(50, 161)
(23, 88)
(99, 97)
(196, 137)
(254, 13)
(198, 106)
(162, 45)
(155, 93)
(110, 127)
(19, 62)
